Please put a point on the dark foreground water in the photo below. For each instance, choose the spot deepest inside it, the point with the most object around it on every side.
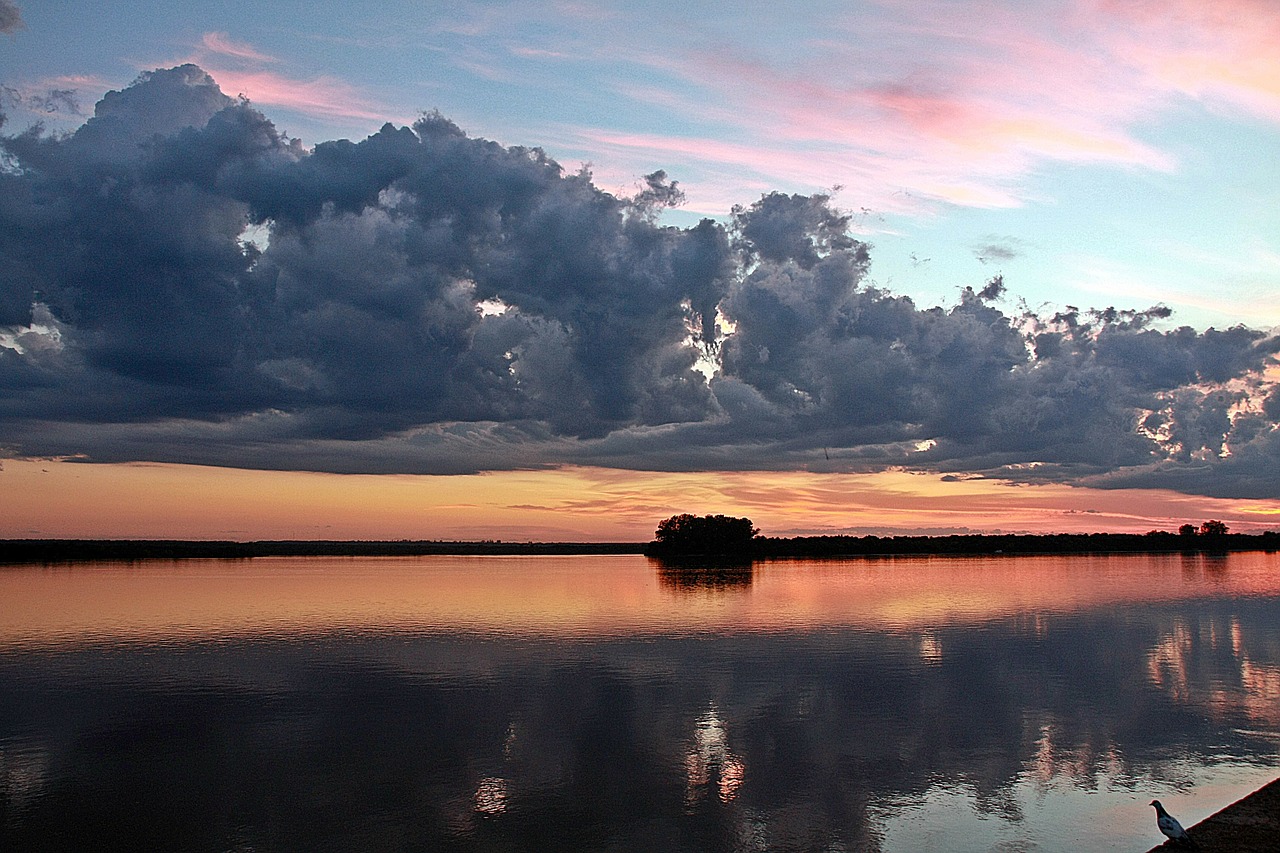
(606, 704)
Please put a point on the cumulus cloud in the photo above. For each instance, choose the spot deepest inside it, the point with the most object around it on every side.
(425, 301)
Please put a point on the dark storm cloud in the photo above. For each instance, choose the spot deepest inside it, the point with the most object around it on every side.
(208, 290)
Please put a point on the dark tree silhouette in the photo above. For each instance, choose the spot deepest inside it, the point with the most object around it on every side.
(702, 534)
(1187, 530)
(1213, 527)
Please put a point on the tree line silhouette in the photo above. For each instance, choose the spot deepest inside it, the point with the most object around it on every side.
(688, 535)
(679, 536)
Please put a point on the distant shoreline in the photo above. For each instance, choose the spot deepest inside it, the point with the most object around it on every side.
(979, 544)
(91, 550)
(14, 551)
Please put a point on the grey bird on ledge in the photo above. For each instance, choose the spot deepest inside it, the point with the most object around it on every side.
(1169, 825)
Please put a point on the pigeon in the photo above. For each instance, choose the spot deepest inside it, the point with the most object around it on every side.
(1169, 825)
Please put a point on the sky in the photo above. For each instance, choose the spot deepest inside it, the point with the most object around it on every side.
(556, 270)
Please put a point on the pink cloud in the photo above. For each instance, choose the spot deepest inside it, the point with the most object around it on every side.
(1225, 51)
(991, 120)
(221, 44)
(320, 97)
(889, 184)
(986, 95)
(959, 102)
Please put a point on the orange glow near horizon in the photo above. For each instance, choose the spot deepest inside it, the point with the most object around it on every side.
(56, 499)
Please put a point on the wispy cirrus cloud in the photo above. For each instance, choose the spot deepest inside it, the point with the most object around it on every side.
(1224, 52)
(224, 45)
(323, 97)
(953, 102)
(939, 100)
(887, 183)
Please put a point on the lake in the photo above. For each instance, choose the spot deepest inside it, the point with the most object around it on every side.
(606, 703)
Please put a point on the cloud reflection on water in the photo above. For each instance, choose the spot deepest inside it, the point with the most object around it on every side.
(1022, 726)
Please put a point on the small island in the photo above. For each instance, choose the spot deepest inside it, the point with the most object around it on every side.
(688, 535)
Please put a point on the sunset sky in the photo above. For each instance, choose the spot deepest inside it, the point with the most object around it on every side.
(862, 266)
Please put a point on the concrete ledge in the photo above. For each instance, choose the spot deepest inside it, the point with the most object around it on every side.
(1250, 825)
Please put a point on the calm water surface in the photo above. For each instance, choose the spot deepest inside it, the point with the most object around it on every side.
(605, 703)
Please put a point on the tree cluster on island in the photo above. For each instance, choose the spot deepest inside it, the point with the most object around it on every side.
(717, 535)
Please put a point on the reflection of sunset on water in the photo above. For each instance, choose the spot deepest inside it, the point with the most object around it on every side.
(1178, 666)
(709, 760)
(930, 648)
(491, 796)
(572, 596)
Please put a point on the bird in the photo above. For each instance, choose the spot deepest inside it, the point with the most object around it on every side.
(1169, 825)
